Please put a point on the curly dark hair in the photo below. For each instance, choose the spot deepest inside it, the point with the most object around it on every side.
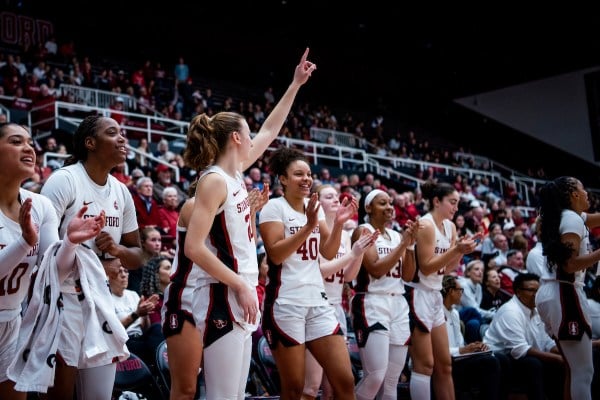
(150, 283)
(555, 196)
(282, 158)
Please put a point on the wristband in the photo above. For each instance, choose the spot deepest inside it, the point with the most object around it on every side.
(134, 316)
(68, 242)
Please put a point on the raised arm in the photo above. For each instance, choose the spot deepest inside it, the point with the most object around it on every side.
(274, 122)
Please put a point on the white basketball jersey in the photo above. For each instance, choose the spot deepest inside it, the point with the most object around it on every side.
(442, 245)
(392, 281)
(70, 188)
(298, 279)
(15, 283)
(231, 236)
(334, 284)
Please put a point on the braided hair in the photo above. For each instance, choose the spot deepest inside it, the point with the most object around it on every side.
(555, 196)
(150, 283)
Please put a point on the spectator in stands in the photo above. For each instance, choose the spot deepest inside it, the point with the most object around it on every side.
(164, 179)
(169, 213)
(438, 252)
(117, 107)
(43, 109)
(133, 311)
(470, 367)
(493, 295)
(508, 230)
(517, 329)
(256, 176)
(181, 71)
(561, 300)
(488, 249)
(515, 264)
(535, 262)
(155, 278)
(67, 50)
(474, 317)
(163, 152)
(10, 76)
(152, 247)
(141, 161)
(136, 174)
(119, 173)
(146, 207)
(41, 172)
(325, 177)
(501, 247)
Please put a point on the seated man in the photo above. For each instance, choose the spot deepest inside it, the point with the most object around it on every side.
(471, 366)
(517, 331)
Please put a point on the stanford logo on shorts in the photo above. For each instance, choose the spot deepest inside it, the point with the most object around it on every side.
(220, 323)
(173, 321)
(573, 328)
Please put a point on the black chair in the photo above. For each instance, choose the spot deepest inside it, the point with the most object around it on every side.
(266, 363)
(133, 375)
(164, 374)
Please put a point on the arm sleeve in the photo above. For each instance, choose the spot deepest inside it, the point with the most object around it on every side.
(48, 227)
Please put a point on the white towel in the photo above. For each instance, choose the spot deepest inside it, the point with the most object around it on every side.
(33, 367)
(39, 334)
(105, 336)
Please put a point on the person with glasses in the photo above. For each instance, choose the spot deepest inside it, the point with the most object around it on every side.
(561, 300)
(473, 367)
(533, 356)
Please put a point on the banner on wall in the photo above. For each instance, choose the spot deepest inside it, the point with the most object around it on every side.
(22, 30)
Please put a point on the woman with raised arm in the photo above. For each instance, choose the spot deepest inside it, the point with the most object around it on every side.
(219, 298)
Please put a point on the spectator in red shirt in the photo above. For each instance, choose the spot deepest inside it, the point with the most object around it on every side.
(147, 209)
(169, 213)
